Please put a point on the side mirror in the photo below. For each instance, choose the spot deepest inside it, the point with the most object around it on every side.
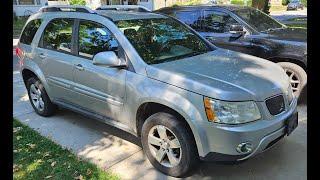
(236, 29)
(107, 58)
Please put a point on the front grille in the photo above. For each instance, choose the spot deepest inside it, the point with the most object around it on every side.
(275, 105)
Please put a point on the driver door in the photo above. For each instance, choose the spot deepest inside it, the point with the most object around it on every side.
(216, 28)
(99, 89)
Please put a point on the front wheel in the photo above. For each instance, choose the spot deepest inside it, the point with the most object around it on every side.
(169, 145)
(297, 76)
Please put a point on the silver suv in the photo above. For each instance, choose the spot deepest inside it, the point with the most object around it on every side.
(153, 76)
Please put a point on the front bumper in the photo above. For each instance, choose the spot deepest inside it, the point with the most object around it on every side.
(222, 140)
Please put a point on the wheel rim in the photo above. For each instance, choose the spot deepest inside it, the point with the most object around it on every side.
(294, 80)
(36, 98)
(164, 146)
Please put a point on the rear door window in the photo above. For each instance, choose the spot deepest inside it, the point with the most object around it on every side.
(217, 22)
(58, 35)
(29, 31)
(191, 18)
(95, 38)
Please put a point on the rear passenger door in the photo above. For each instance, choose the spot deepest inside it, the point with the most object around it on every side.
(55, 56)
(99, 89)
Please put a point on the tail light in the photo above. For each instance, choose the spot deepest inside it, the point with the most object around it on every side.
(19, 52)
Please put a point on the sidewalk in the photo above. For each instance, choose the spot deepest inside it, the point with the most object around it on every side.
(118, 151)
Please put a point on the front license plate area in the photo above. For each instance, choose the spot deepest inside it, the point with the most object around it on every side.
(292, 123)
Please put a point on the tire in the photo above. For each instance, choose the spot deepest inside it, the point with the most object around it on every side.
(189, 157)
(48, 108)
(299, 74)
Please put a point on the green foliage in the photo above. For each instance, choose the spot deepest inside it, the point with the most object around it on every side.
(36, 157)
(237, 2)
(285, 2)
(77, 2)
(187, 3)
(14, 17)
(241, 2)
(304, 2)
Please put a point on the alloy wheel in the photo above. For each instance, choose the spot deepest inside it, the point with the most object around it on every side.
(36, 98)
(164, 146)
(294, 80)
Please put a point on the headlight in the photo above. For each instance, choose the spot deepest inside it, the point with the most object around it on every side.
(231, 112)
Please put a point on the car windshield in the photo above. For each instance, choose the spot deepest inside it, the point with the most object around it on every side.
(258, 20)
(160, 40)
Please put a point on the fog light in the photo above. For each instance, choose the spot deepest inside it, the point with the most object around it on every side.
(245, 147)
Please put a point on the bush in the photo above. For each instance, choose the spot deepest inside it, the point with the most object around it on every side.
(304, 2)
(77, 2)
(237, 2)
(285, 2)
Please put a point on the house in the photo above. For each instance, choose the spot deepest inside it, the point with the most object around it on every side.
(150, 4)
(28, 7)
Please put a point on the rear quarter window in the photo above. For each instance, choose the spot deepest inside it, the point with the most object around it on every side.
(29, 31)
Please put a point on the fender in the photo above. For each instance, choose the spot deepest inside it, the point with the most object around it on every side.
(184, 107)
(33, 67)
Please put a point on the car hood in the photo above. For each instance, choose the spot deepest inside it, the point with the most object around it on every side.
(289, 34)
(224, 75)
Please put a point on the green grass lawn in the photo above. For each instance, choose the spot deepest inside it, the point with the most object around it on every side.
(18, 25)
(36, 157)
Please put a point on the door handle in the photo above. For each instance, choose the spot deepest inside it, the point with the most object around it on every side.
(42, 56)
(79, 67)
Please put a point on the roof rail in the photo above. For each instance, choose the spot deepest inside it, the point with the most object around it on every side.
(124, 8)
(66, 8)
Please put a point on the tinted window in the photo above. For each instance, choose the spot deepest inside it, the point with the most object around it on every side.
(95, 38)
(30, 31)
(192, 18)
(218, 22)
(162, 39)
(58, 35)
(258, 20)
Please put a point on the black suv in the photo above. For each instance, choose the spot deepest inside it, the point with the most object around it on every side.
(250, 31)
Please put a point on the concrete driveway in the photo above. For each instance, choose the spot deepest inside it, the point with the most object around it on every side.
(120, 152)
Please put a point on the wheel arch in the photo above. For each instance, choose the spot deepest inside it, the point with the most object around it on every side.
(147, 108)
(28, 72)
(289, 59)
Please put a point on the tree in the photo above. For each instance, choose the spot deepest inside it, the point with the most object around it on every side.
(263, 5)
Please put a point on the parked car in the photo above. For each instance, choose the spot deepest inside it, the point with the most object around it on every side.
(155, 77)
(124, 8)
(250, 31)
(295, 5)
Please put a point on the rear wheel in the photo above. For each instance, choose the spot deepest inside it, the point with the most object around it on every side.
(297, 76)
(169, 145)
(39, 99)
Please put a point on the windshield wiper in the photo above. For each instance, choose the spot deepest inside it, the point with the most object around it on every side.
(180, 57)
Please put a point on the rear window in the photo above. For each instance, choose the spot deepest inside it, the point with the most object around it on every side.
(58, 35)
(29, 31)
